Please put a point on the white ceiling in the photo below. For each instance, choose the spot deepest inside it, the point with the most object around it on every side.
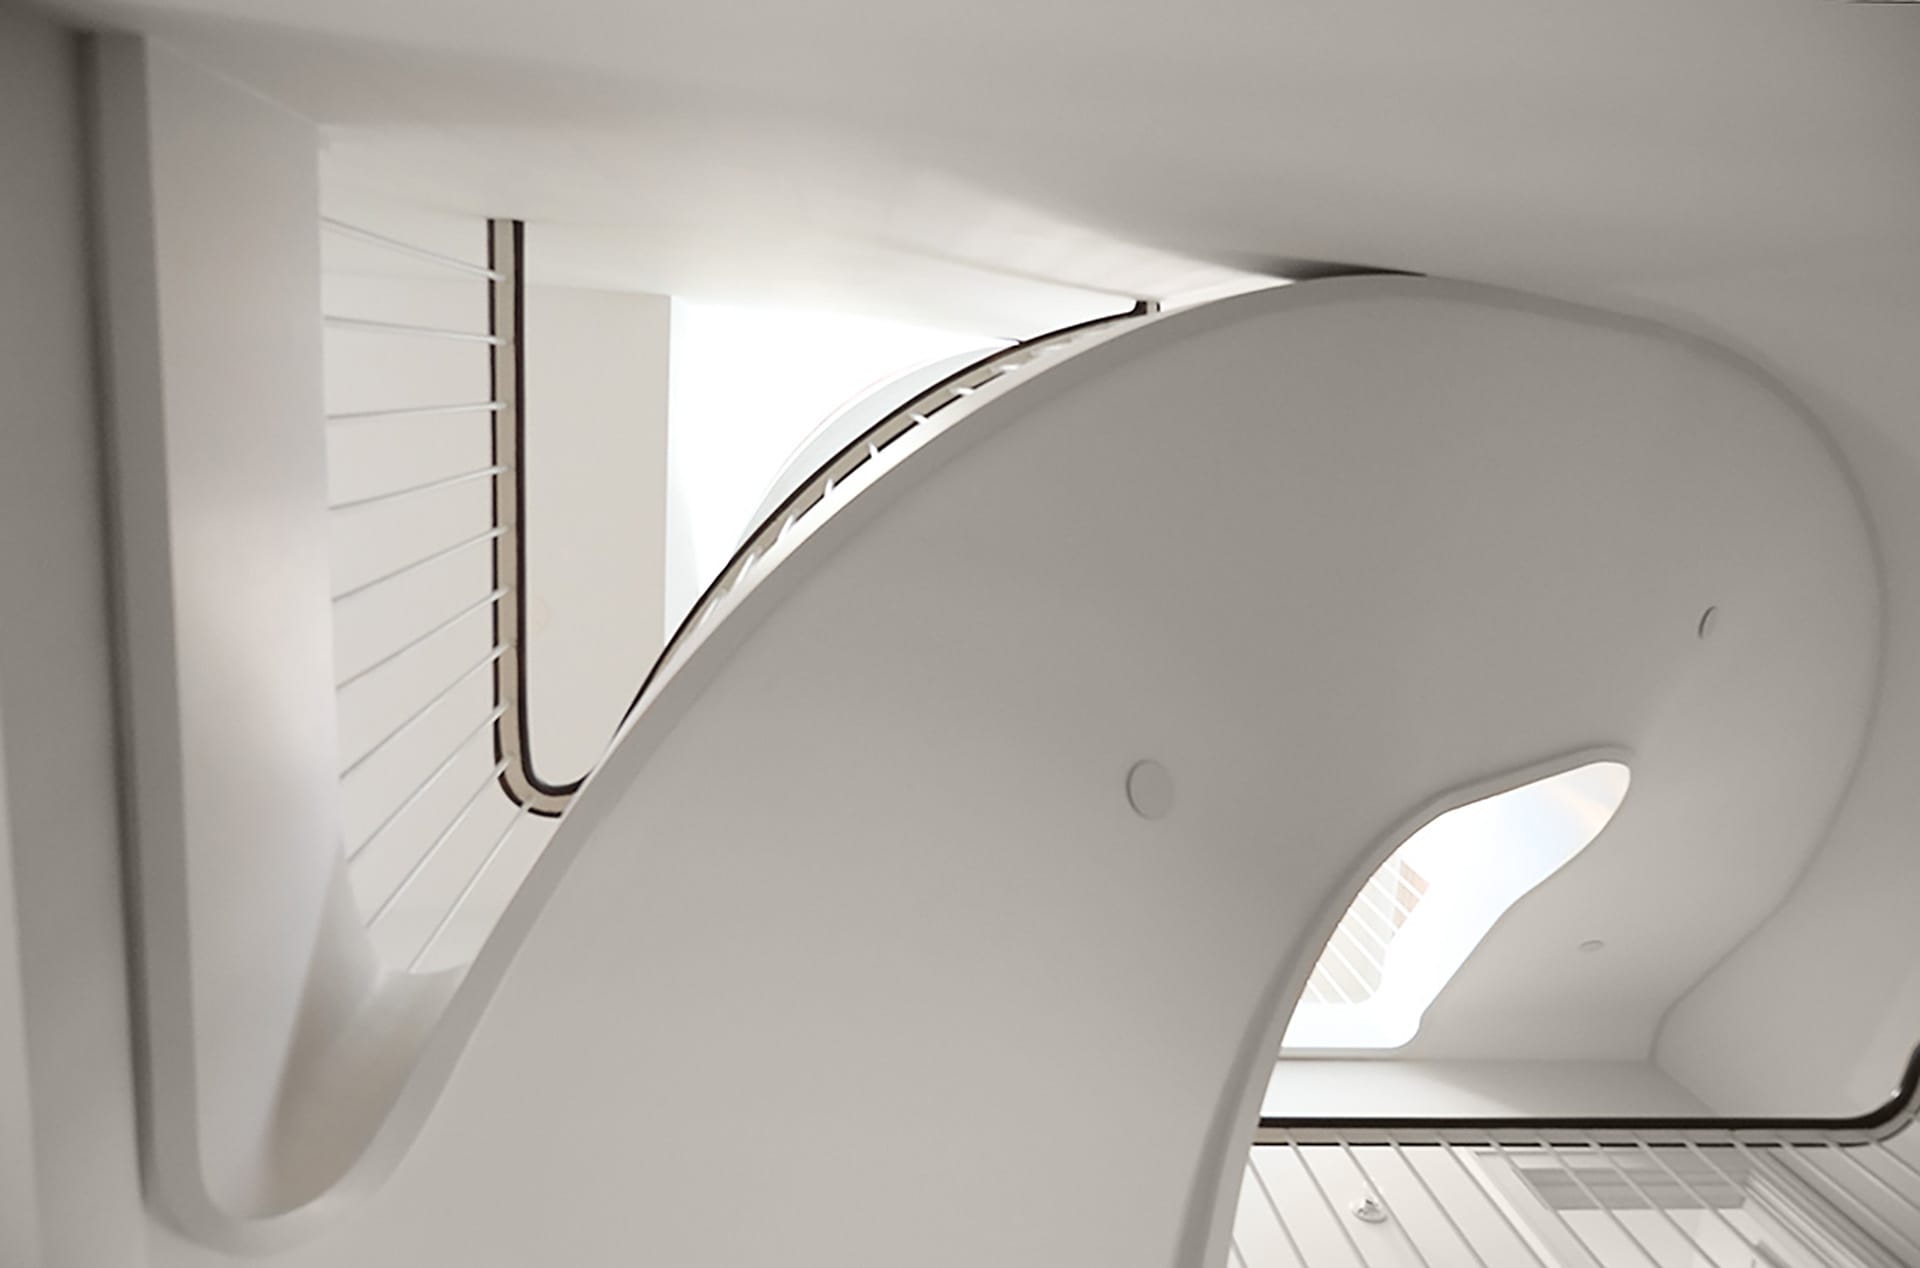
(1008, 157)
(1748, 169)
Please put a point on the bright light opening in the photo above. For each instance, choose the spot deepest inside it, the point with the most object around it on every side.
(746, 386)
(1420, 916)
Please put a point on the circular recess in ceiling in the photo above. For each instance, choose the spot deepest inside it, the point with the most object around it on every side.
(1708, 620)
(1150, 789)
(1593, 944)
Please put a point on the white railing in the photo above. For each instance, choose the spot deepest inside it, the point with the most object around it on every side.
(1553, 1193)
(445, 810)
(1351, 968)
(855, 468)
(423, 350)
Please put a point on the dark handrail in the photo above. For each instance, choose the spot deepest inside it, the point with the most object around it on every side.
(1894, 1112)
(507, 323)
(768, 527)
(519, 779)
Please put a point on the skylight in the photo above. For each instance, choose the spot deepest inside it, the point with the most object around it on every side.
(1422, 913)
(745, 386)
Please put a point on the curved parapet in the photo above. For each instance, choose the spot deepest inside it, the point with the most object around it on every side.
(852, 421)
(855, 949)
(862, 946)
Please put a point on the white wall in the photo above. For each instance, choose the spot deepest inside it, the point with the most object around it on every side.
(69, 1184)
(1387, 1087)
(596, 490)
(594, 482)
(254, 965)
(19, 1188)
(1818, 1012)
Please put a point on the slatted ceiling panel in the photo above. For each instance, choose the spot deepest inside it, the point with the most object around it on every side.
(1622, 1178)
(1646, 1198)
(1865, 1187)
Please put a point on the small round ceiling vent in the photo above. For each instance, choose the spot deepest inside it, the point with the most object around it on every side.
(1150, 789)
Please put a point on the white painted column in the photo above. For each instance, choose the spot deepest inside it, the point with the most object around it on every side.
(69, 1165)
(254, 966)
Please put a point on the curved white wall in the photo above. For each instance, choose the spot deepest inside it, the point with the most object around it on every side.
(258, 994)
(854, 946)
(1820, 1008)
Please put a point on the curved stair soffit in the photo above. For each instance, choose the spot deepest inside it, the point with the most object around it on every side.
(755, 590)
